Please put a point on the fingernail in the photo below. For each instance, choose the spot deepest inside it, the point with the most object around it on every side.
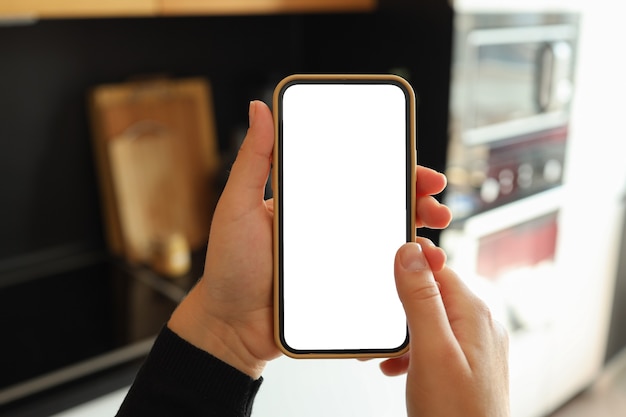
(412, 257)
(426, 241)
(251, 112)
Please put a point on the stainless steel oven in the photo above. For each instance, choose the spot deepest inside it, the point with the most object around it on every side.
(512, 85)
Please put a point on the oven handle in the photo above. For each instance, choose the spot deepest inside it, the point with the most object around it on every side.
(553, 81)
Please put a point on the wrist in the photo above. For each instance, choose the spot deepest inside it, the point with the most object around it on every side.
(192, 322)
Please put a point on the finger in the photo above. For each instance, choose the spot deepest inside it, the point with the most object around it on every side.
(461, 303)
(250, 170)
(428, 181)
(435, 256)
(484, 341)
(395, 366)
(469, 317)
(430, 213)
(430, 332)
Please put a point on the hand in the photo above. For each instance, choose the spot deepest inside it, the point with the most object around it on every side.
(229, 313)
(457, 363)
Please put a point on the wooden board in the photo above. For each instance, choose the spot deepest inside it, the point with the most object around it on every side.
(156, 150)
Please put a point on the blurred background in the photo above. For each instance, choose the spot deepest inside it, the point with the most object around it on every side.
(119, 121)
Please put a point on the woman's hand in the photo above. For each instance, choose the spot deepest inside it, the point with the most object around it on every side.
(458, 359)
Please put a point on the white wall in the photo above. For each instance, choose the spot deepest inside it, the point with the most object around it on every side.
(596, 181)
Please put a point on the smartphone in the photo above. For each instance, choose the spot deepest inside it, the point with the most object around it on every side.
(343, 179)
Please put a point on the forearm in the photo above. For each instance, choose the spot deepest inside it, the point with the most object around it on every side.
(178, 379)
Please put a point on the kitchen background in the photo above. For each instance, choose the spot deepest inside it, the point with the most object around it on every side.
(546, 177)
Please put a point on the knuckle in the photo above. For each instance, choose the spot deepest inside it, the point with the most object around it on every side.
(499, 332)
(424, 292)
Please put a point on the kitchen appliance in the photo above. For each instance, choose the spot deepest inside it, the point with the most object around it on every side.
(512, 85)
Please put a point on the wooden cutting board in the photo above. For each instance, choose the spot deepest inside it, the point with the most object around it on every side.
(157, 156)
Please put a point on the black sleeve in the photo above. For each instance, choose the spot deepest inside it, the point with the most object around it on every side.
(178, 379)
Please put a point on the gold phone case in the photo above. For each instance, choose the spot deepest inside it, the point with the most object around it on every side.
(333, 78)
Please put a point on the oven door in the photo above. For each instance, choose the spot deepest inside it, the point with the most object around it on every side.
(507, 252)
(517, 80)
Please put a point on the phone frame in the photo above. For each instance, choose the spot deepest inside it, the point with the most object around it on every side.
(411, 161)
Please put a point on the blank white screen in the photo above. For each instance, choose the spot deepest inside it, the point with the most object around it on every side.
(343, 194)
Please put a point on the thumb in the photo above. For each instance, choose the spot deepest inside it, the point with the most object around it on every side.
(429, 327)
(251, 168)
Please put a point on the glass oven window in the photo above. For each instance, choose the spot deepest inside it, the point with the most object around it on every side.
(515, 81)
(504, 87)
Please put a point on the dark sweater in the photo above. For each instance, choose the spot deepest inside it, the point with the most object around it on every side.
(178, 379)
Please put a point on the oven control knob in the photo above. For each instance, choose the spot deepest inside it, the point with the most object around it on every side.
(490, 190)
(525, 174)
(552, 171)
(507, 181)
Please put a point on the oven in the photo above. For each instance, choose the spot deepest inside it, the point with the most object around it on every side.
(512, 86)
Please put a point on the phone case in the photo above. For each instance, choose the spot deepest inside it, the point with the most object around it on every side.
(411, 159)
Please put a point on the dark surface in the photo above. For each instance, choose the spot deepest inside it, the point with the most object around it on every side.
(47, 176)
(55, 322)
(72, 394)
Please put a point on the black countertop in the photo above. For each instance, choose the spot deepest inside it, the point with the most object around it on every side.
(80, 334)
